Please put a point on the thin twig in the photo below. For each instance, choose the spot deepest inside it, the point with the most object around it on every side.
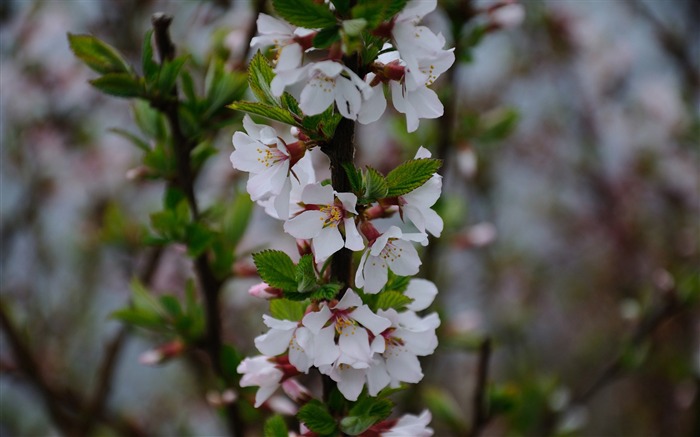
(209, 283)
(480, 412)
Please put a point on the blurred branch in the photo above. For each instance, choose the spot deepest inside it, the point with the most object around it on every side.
(113, 352)
(211, 286)
(669, 308)
(480, 413)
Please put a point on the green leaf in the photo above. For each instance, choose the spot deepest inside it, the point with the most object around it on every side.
(137, 318)
(151, 122)
(355, 177)
(260, 74)
(445, 409)
(284, 309)
(290, 104)
(119, 85)
(276, 269)
(97, 55)
(169, 72)
(316, 417)
(221, 88)
(237, 218)
(306, 274)
(392, 299)
(171, 305)
(325, 37)
(264, 110)
(148, 65)
(138, 142)
(394, 7)
(305, 13)
(365, 413)
(199, 238)
(275, 427)
(375, 12)
(375, 185)
(341, 6)
(411, 175)
(354, 27)
(326, 292)
(397, 283)
(142, 300)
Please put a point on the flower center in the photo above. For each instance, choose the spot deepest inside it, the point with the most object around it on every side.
(270, 156)
(391, 253)
(333, 215)
(430, 72)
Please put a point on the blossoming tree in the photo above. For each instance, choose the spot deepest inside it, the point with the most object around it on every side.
(348, 309)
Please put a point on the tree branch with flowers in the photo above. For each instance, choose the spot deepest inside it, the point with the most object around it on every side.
(356, 323)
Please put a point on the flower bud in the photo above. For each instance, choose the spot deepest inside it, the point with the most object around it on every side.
(163, 353)
(219, 399)
(296, 391)
(264, 291)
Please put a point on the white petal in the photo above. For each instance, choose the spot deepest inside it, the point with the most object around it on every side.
(427, 194)
(347, 97)
(287, 77)
(317, 194)
(433, 222)
(268, 24)
(264, 394)
(416, 10)
(422, 153)
(325, 349)
(377, 377)
(359, 274)
(273, 323)
(403, 366)
(422, 292)
(373, 107)
(349, 201)
(274, 342)
(327, 242)
(281, 203)
(350, 299)
(369, 320)
(406, 261)
(328, 68)
(317, 319)
(289, 58)
(317, 96)
(375, 274)
(353, 239)
(306, 225)
(350, 383)
(354, 343)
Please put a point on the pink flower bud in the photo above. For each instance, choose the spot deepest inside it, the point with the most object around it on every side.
(264, 291)
(296, 391)
(162, 353)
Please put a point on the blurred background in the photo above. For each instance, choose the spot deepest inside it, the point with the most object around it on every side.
(571, 202)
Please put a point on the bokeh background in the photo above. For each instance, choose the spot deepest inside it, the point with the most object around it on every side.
(571, 202)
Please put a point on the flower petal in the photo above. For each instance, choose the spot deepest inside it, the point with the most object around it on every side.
(306, 225)
(422, 292)
(327, 242)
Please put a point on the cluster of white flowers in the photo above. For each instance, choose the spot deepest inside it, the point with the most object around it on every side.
(343, 338)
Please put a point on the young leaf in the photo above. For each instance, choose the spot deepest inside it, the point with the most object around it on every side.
(97, 55)
(277, 269)
(326, 292)
(138, 142)
(290, 104)
(199, 238)
(169, 72)
(355, 177)
(305, 13)
(119, 85)
(284, 309)
(271, 112)
(237, 218)
(375, 185)
(391, 299)
(148, 65)
(326, 37)
(316, 417)
(411, 175)
(275, 427)
(365, 413)
(260, 74)
(305, 274)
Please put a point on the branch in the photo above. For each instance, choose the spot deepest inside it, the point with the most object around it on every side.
(480, 413)
(182, 146)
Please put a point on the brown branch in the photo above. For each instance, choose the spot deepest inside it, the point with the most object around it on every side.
(209, 283)
(480, 411)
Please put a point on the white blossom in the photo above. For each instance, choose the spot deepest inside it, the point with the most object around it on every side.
(389, 250)
(416, 205)
(286, 335)
(284, 37)
(410, 425)
(260, 371)
(326, 82)
(326, 213)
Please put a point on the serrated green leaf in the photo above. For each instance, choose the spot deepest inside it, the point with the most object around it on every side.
(306, 274)
(325, 37)
(305, 13)
(354, 176)
(284, 309)
(326, 292)
(356, 425)
(290, 104)
(411, 175)
(119, 85)
(98, 55)
(366, 412)
(341, 6)
(271, 112)
(275, 427)
(397, 283)
(276, 269)
(392, 299)
(375, 185)
(316, 417)
(376, 12)
(260, 74)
